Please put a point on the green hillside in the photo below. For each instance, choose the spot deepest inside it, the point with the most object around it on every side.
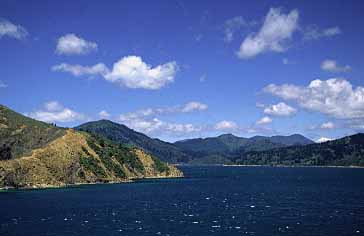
(347, 151)
(121, 134)
(224, 148)
(213, 150)
(19, 135)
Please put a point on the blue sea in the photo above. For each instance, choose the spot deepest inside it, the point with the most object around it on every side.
(210, 200)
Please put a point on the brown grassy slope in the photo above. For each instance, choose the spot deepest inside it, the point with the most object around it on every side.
(77, 158)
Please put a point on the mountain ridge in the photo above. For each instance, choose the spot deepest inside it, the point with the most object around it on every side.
(220, 148)
(122, 134)
(346, 151)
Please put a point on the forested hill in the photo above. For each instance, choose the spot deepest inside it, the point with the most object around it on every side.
(227, 143)
(213, 150)
(120, 133)
(347, 151)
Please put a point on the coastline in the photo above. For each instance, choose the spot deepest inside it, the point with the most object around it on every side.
(297, 166)
(286, 166)
(49, 186)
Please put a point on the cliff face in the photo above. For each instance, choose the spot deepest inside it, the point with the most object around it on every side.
(35, 154)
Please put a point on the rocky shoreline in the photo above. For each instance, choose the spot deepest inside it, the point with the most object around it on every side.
(50, 186)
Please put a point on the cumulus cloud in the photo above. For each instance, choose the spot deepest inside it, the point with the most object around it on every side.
(53, 106)
(313, 32)
(265, 120)
(332, 66)
(79, 70)
(104, 114)
(280, 109)
(155, 126)
(323, 139)
(129, 71)
(226, 125)
(148, 112)
(147, 121)
(53, 111)
(232, 25)
(11, 30)
(71, 44)
(133, 72)
(333, 97)
(194, 106)
(276, 31)
(327, 125)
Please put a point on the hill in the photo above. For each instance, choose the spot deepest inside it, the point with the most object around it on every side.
(222, 149)
(122, 134)
(212, 150)
(36, 154)
(347, 151)
(231, 143)
(19, 135)
(290, 140)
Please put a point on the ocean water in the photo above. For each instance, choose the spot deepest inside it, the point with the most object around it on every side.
(211, 200)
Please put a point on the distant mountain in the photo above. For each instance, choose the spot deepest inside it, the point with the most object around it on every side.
(290, 140)
(346, 151)
(122, 134)
(222, 144)
(213, 150)
(36, 154)
(228, 143)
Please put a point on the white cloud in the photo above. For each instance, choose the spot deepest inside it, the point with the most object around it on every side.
(232, 25)
(78, 70)
(53, 111)
(327, 125)
(333, 97)
(71, 44)
(155, 127)
(141, 113)
(265, 120)
(332, 66)
(148, 112)
(11, 30)
(280, 109)
(104, 114)
(132, 72)
(53, 106)
(226, 125)
(3, 85)
(313, 32)
(147, 121)
(129, 71)
(276, 31)
(194, 106)
(323, 139)
(182, 128)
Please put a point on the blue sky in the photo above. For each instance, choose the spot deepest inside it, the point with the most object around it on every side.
(182, 69)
